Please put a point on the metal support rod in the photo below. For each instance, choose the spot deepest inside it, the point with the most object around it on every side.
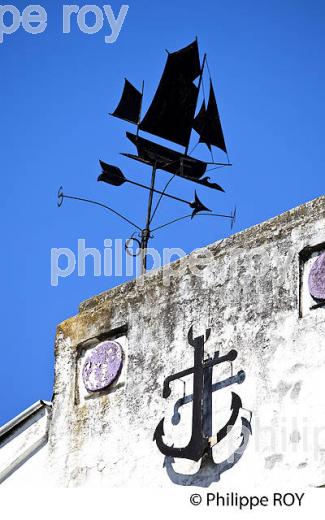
(190, 215)
(145, 234)
(102, 206)
(159, 192)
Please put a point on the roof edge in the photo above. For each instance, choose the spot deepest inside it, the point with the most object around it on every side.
(286, 216)
(20, 418)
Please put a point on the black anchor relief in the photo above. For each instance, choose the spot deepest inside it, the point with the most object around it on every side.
(202, 439)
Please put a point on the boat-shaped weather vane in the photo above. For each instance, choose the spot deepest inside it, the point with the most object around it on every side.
(173, 116)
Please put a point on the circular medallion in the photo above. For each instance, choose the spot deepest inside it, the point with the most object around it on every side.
(102, 366)
(316, 280)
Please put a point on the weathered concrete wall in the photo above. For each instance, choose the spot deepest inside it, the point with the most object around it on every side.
(249, 291)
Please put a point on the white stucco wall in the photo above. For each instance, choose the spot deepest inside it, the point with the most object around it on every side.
(250, 292)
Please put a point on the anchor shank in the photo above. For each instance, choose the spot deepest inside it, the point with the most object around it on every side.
(207, 403)
(206, 364)
(197, 440)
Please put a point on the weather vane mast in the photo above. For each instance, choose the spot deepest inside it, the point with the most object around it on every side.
(170, 116)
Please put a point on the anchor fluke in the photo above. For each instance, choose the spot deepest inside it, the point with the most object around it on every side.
(159, 431)
(111, 175)
(236, 402)
(166, 450)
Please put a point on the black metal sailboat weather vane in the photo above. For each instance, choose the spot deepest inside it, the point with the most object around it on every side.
(170, 116)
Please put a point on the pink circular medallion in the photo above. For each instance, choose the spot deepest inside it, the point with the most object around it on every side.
(316, 280)
(102, 366)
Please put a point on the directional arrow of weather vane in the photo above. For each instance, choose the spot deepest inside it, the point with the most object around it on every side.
(170, 116)
(114, 176)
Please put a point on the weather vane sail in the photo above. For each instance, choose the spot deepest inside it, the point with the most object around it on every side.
(171, 116)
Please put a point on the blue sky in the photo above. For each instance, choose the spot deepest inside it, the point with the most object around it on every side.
(267, 61)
